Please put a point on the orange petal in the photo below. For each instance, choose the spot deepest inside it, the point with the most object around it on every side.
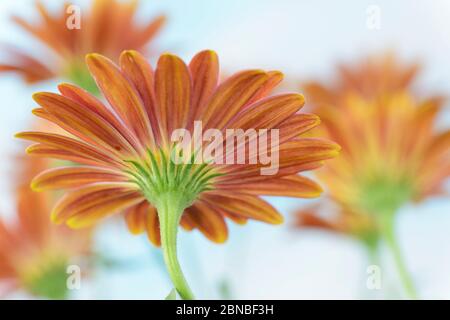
(297, 125)
(173, 92)
(83, 123)
(269, 112)
(246, 206)
(56, 144)
(309, 218)
(136, 217)
(288, 186)
(235, 218)
(294, 156)
(71, 177)
(138, 70)
(121, 95)
(45, 151)
(153, 232)
(84, 206)
(44, 114)
(208, 221)
(90, 102)
(29, 68)
(231, 96)
(275, 77)
(204, 69)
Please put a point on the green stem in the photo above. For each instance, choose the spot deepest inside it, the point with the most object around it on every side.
(391, 241)
(169, 212)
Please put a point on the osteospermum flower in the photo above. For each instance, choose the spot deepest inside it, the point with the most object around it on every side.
(392, 154)
(127, 153)
(34, 253)
(108, 27)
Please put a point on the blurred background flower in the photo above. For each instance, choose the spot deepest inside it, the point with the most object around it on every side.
(305, 39)
(107, 27)
(35, 254)
(392, 152)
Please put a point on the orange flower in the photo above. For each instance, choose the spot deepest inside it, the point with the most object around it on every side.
(108, 28)
(127, 150)
(34, 253)
(392, 152)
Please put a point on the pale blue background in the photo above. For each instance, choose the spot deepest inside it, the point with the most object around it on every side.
(303, 39)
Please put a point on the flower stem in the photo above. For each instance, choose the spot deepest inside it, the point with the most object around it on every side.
(391, 241)
(169, 212)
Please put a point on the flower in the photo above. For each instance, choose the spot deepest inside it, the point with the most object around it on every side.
(127, 152)
(34, 253)
(108, 28)
(392, 151)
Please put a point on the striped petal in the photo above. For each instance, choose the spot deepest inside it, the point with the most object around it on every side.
(121, 95)
(231, 96)
(274, 78)
(139, 71)
(85, 99)
(82, 122)
(269, 112)
(208, 221)
(173, 92)
(73, 177)
(294, 156)
(56, 144)
(288, 186)
(84, 206)
(204, 68)
(246, 206)
(296, 125)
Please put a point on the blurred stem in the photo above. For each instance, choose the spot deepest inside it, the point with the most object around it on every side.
(392, 243)
(169, 212)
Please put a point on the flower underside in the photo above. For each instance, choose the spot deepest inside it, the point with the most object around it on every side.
(159, 177)
(48, 279)
(384, 194)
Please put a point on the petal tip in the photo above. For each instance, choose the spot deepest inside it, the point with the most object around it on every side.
(277, 220)
(19, 135)
(34, 185)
